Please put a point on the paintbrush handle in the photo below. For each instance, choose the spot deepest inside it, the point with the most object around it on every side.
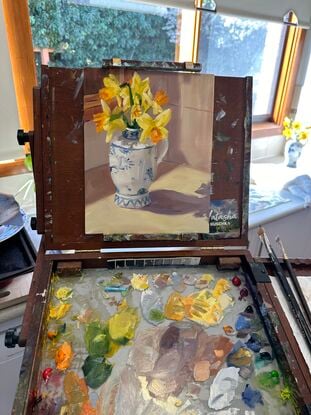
(287, 291)
(295, 281)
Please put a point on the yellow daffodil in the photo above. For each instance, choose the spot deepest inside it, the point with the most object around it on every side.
(286, 122)
(136, 112)
(159, 100)
(303, 135)
(161, 97)
(296, 125)
(287, 133)
(138, 85)
(126, 100)
(111, 89)
(100, 120)
(146, 101)
(154, 128)
(109, 121)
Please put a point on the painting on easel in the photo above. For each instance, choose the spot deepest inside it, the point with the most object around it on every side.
(148, 153)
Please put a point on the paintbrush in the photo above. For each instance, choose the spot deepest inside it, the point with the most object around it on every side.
(286, 288)
(295, 281)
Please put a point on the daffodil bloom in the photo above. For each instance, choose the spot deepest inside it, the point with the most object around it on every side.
(303, 135)
(154, 128)
(138, 85)
(296, 125)
(286, 122)
(136, 112)
(126, 99)
(100, 120)
(109, 121)
(146, 101)
(287, 133)
(161, 97)
(111, 89)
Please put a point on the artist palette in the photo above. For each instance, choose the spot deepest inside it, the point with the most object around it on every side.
(158, 309)
(171, 358)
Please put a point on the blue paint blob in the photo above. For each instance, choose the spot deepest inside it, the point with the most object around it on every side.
(242, 323)
(115, 289)
(254, 343)
(251, 397)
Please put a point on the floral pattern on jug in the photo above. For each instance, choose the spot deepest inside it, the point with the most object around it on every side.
(133, 168)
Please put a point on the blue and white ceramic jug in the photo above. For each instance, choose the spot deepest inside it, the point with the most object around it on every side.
(133, 167)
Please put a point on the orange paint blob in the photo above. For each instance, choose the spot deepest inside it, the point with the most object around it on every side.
(63, 356)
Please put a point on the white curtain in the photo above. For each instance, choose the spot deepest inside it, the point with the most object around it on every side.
(273, 10)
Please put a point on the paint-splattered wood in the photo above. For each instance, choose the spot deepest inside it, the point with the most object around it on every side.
(34, 317)
(37, 161)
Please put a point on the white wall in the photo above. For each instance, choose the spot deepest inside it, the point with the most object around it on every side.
(9, 123)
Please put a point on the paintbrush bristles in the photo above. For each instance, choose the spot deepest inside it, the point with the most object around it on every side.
(264, 239)
(278, 240)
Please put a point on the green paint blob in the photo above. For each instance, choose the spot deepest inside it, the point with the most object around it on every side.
(96, 371)
(268, 380)
(96, 339)
(156, 315)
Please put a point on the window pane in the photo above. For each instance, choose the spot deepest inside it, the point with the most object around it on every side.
(79, 33)
(233, 46)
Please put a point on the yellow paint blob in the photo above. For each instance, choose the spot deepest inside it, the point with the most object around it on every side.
(59, 311)
(139, 282)
(123, 324)
(221, 286)
(175, 307)
(63, 293)
(204, 307)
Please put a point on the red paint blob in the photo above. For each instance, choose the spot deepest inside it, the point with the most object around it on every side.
(236, 281)
(46, 374)
(243, 293)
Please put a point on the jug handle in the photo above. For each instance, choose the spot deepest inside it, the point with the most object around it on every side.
(162, 150)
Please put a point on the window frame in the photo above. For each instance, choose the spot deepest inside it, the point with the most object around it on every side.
(285, 86)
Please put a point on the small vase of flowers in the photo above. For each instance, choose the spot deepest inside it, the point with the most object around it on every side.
(296, 137)
(131, 109)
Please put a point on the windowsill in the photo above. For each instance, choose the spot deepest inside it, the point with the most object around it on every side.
(265, 129)
(270, 175)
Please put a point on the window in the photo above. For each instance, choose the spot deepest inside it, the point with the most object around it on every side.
(233, 46)
(82, 33)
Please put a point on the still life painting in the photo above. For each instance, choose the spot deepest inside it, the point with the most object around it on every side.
(156, 340)
(148, 145)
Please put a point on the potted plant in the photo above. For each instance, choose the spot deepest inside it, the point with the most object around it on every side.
(296, 137)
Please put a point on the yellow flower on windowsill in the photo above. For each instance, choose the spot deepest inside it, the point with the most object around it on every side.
(154, 128)
(293, 131)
